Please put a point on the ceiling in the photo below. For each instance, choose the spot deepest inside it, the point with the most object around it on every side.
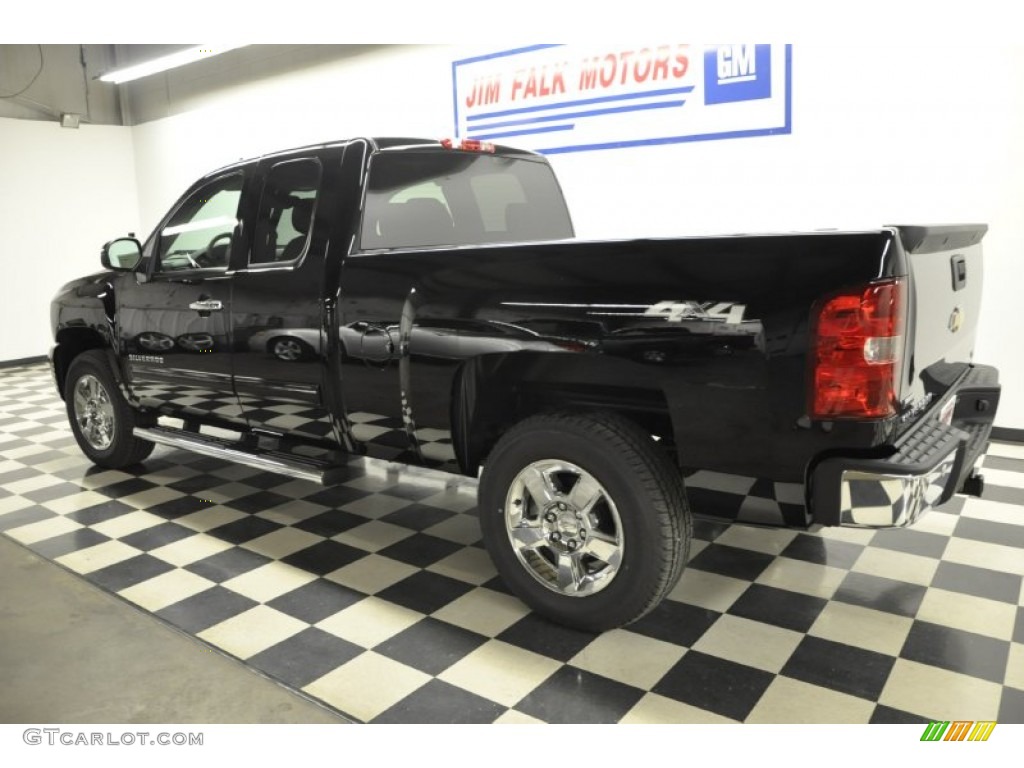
(40, 82)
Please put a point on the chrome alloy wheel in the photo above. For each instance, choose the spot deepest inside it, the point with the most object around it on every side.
(564, 528)
(287, 349)
(94, 412)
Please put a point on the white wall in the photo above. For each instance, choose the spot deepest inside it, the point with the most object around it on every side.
(63, 193)
(890, 134)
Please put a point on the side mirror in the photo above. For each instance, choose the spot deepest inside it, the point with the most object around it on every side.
(123, 254)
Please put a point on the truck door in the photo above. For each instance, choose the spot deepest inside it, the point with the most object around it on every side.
(277, 305)
(174, 325)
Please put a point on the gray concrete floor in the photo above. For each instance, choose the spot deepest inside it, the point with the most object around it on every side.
(71, 653)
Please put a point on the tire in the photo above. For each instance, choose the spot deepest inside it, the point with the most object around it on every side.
(289, 349)
(585, 518)
(101, 420)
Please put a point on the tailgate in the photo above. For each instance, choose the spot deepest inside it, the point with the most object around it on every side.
(945, 268)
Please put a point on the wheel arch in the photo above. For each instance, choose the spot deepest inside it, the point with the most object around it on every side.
(490, 393)
(72, 341)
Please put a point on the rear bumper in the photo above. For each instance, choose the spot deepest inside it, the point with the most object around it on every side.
(929, 464)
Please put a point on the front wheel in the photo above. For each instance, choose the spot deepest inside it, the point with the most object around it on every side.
(585, 518)
(101, 420)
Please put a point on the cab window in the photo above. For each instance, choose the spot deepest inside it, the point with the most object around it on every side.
(287, 205)
(198, 235)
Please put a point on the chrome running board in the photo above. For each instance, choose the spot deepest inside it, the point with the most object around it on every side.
(280, 462)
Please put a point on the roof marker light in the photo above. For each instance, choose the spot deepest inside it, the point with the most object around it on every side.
(469, 145)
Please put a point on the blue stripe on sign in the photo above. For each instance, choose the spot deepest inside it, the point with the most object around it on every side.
(503, 134)
(582, 102)
(667, 140)
(587, 113)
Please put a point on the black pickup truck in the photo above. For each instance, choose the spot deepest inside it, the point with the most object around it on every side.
(424, 302)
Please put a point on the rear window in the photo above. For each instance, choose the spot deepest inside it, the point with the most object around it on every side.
(459, 198)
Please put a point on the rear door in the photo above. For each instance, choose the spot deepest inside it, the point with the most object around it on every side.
(174, 320)
(278, 299)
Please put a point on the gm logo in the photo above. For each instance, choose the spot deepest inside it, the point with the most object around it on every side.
(737, 73)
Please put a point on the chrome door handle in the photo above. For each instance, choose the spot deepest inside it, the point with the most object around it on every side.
(207, 305)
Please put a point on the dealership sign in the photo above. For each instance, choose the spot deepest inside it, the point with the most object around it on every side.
(571, 98)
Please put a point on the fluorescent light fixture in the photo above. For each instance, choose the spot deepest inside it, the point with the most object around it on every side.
(164, 63)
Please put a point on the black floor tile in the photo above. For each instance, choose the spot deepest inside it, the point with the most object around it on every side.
(99, 513)
(438, 703)
(331, 523)
(430, 645)
(41, 458)
(418, 517)
(257, 502)
(420, 550)
(1003, 494)
(25, 516)
(537, 634)
(125, 488)
(304, 657)
(324, 557)
(840, 667)
(881, 594)
(815, 549)
(1018, 627)
(51, 492)
(956, 650)
(981, 582)
(573, 695)
(715, 684)
(1001, 462)
(244, 529)
(744, 564)
(68, 542)
(425, 592)
(157, 536)
(129, 572)
(991, 532)
(707, 529)
(336, 495)
(316, 601)
(910, 541)
(1011, 707)
(227, 564)
(202, 611)
(889, 716)
(769, 605)
(175, 508)
(196, 484)
(724, 506)
(676, 623)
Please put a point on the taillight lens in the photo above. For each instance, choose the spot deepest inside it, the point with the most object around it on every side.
(856, 353)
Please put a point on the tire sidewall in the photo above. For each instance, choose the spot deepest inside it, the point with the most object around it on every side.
(640, 572)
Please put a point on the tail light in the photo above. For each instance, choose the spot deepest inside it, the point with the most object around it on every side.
(857, 346)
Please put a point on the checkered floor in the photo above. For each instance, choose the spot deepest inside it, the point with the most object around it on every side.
(377, 598)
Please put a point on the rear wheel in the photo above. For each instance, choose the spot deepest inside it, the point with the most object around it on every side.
(101, 420)
(585, 518)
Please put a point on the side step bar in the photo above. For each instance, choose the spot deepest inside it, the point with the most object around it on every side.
(300, 467)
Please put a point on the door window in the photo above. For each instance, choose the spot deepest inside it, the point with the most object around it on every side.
(286, 212)
(199, 234)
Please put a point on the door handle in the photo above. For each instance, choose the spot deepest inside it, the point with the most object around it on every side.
(205, 306)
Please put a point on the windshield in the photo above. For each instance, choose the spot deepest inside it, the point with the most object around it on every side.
(458, 198)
